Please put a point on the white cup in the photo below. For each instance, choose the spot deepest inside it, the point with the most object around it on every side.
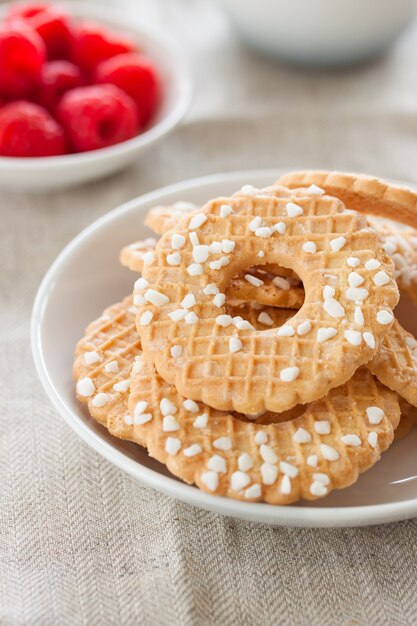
(320, 32)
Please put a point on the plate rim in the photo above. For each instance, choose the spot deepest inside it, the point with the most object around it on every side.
(292, 515)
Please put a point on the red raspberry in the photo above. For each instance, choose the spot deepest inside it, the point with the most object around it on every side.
(52, 23)
(136, 75)
(98, 116)
(54, 26)
(27, 130)
(26, 9)
(22, 53)
(57, 77)
(92, 44)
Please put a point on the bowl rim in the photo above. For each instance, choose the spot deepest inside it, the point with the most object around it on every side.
(155, 131)
(294, 515)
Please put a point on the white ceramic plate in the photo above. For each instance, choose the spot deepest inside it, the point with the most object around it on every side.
(41, 174)
(87, 277)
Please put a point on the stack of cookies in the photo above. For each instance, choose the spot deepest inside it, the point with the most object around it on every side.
(259, 357)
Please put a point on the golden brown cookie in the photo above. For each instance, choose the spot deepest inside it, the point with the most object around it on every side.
(349, 285)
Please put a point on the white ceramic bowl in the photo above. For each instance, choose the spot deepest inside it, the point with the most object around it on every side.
(320, 32)
(87, 277)
(41, 174)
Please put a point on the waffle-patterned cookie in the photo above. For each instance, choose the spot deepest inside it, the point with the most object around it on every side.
(349, 286)
(365, 194)
(103, 361)
(325, 447)
(255, 284)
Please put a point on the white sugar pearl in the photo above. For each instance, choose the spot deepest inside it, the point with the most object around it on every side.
(304, 328)
(223, 320)
(323, 334)
(268, 454)
(309, 247)
(381, 278)
(174, 258)
(261, 437)
(318, 489)
(228, 246)
(269, 473)
(280, 228)
(91, 357)
(100, 399)
(289, 374)
(372, 264)
(358, 316)
(301, 435)
(322, 427)
(188, 301)
(329, 453)
(384, 317)
(239, 480)
(193, 450)
(328, 292)
(245, 462)
(356, 293)
(333, 308)
(286, 331)
(338, 243)
(170, 424)
(252, 492)
(195, 269)
(200, 253)
(235, 345)
(321, 478)
(191, 318)
(253, 280)
(177, 241)
(369, 339)
(285, 486)
(146, 318)
(312, 460)
(177, 315)
(223, 443)
(351, 440)
(373, 439)
(353, 261)
(197, 220)
(255, 224)
(265, 319)
(140, 420)
(211, 290)
(190, 405)
(172, 446)
(193, 237)
(225, 210)
(293, 210)
(112, 367)
(210, 480)
(375, 414)
(355, 279)
(219, 300)
(140, 407)
(167, 407)
(353, 337)
(138, 299)
(281, 282)
(288, 469)
(156, 297)
(217, 464)
(148, 258)
(201, 421)
(122, 386)
(315, 190)
(264, 232)
(141, 283)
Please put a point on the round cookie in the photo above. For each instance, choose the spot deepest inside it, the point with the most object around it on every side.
(349, 286)
(365, 194)
(325, 447)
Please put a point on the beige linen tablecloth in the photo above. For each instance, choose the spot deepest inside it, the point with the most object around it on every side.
(83, 543)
